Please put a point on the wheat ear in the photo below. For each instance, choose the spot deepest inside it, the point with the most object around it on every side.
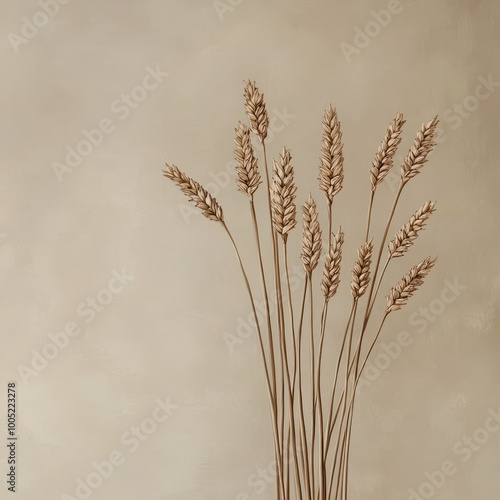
(331, 170)
(361, 270)
(246, 164)
(384, 158)
(331, 272)
(407, 235)
(311, 236)
(408, 284)
(417, 155)
(196, 193)
(256, 110)
(283, 195)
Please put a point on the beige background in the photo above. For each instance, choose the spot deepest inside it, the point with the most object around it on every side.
(163, 336)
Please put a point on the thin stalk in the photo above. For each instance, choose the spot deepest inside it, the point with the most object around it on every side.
(358, 376)
(290, 391)
(261, 344)
(266, 299)
(379, 257)
(279, 302)
(313, 391)
(272, 360)
(370, 209)
(330, 217)
(331, 421)
(321, 443)
(382, 274)
(303, 433)
(346, 384)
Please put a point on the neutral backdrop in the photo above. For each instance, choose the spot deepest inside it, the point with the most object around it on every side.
(65, 231)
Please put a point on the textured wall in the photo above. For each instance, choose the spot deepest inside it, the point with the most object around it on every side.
(72, 222)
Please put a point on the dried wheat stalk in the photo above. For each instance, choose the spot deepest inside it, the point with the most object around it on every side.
(417, 156)
(196, 193)
(283, 195)
(311, 236)
(292, 438)
(408, 284)
(331, 171)
(361, 270)
(256, 110)
(406, 236)
(331, 273)
(246, 164)
(384, 158)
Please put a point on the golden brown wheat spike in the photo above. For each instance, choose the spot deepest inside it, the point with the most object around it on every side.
(246, 163)
(196, 193)
(331, 171)
(283, 195)
(385, 154)
(311, 236)
(256, 110)
(408, 233)
(331, 273)
(361, 270)
(417, 155)
(410, 282)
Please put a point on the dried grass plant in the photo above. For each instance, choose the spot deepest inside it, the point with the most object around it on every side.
(312, 414)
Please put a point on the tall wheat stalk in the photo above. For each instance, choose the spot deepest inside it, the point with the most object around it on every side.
(311, 414)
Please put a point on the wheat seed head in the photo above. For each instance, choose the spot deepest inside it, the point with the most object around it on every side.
(385, 155)
(311, 236)
(423, 144)
(246, 164)
(283, 192)
(255, 108)
(407, 286)
(331, 272)
(331, 170)
(196, 193)
(407, 235)
(361, 270)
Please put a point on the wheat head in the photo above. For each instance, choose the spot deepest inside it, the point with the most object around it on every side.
(361, 270)
(255, 108)
(406, 236)
(196, 193)
(331, 272)
(311, 236)
(417, 155)
(384, 158)
(283, 192)
(410, 282)
(331, 171)
(246, 164)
